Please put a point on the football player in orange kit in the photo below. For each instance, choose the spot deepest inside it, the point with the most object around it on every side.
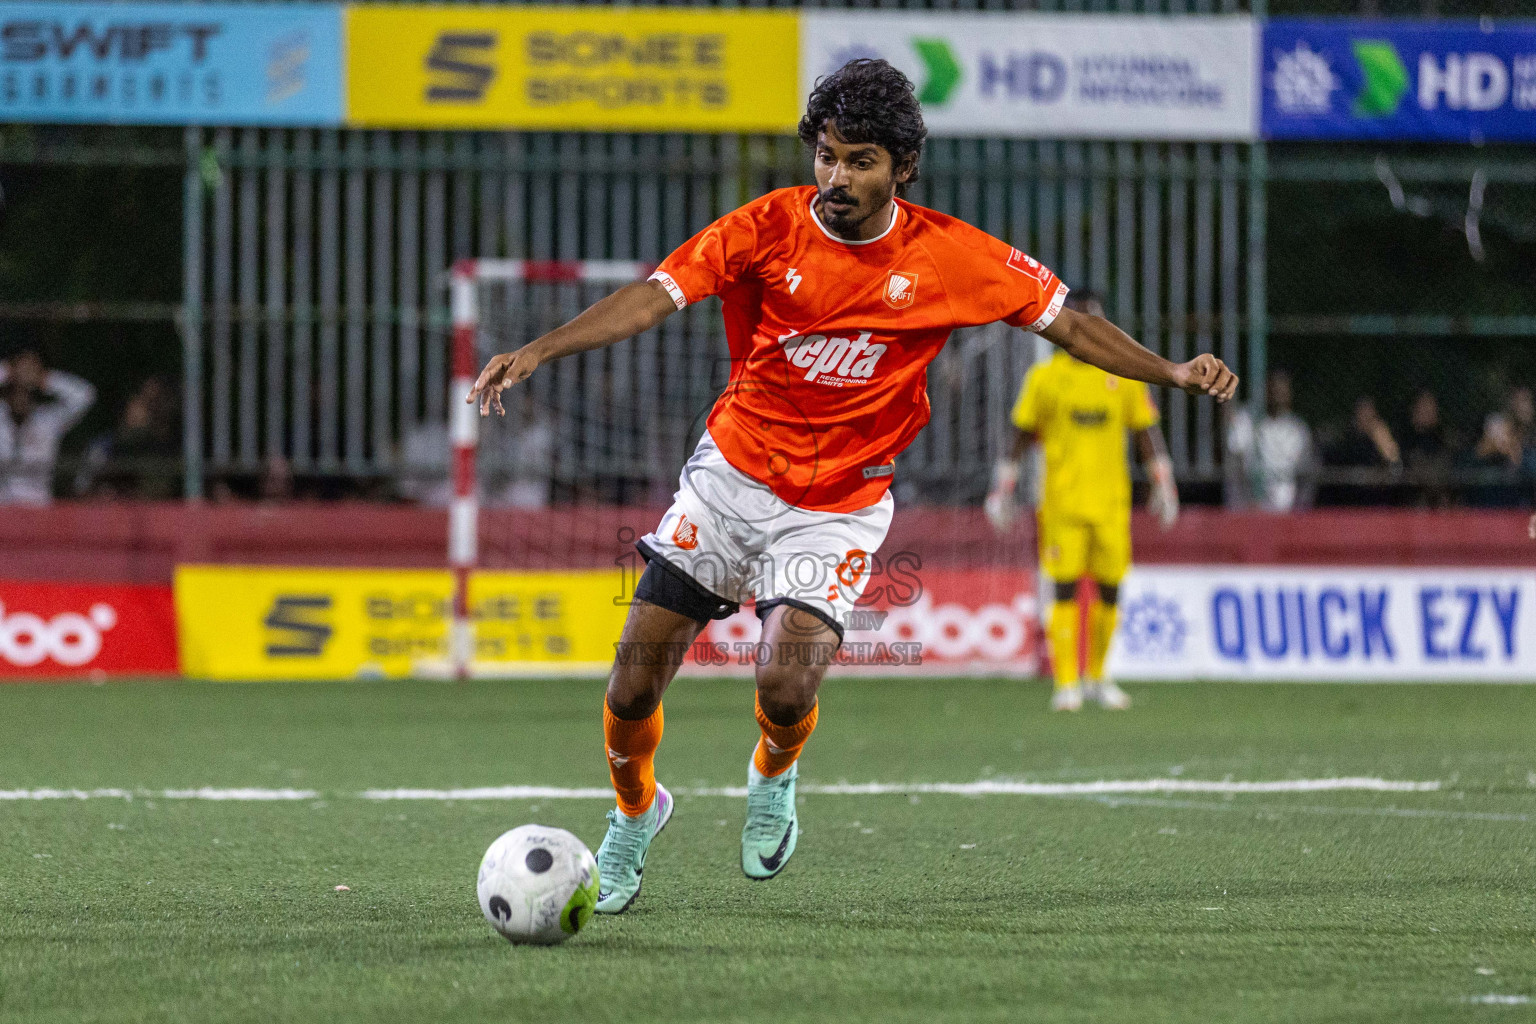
(836, 298)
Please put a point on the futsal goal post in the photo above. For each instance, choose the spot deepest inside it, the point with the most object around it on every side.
(468, 280)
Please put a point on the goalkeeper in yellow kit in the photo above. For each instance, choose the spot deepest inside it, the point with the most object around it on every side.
(1080, 415)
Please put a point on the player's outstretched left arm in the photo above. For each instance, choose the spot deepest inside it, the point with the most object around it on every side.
(1095, 340)
(633, 309)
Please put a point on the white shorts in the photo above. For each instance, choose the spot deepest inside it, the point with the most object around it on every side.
(737, 539)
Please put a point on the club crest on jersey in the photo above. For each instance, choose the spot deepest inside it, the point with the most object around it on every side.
(686, 536)
(900, 289)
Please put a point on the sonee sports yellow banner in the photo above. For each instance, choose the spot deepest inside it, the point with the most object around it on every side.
(257, 623)
(570, 68)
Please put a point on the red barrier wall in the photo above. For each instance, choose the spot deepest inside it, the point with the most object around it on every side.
(143, 542)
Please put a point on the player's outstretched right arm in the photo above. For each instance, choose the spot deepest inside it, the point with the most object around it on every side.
(633, 309)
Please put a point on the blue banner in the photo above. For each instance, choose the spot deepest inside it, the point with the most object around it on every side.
(1326, 623)
(1428, 81)
(171, 63)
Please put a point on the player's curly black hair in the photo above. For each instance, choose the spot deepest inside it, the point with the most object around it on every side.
(870, 101)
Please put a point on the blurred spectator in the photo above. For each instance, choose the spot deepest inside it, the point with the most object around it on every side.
(1429, 450)
(1272, 462)
(1368, 444)
(140, 457)
(1367, 458)
(276, 481)
(37, 408)
(516, 460)
(1499, 447)
(529, 466)
(1522, 414)
(1501, 453)
(423, 473)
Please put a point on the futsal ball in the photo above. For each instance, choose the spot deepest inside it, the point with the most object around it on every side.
(538, 885)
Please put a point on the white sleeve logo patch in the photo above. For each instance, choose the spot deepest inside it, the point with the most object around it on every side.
(1028, 266)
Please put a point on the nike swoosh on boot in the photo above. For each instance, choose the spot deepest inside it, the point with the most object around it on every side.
(772, 863)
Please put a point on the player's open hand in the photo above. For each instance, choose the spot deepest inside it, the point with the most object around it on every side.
(499, 374)
(1206, 375)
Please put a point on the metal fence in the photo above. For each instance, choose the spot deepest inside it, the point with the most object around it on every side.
(315, 318)
(316, 313)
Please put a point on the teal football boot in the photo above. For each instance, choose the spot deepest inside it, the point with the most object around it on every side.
(621, 858)
(772, 826)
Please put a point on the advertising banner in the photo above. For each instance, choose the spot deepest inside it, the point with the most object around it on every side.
(1056, 76)
(86, 629)
(1430, 81)
(239, 623)
(1326, 624)
(572, 68)
(911, 621)
(136, 63)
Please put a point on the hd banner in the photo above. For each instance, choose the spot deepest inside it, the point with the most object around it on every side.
(239, 623)
(171, 63)
(1326, 624)
(1443, 81)
(1055, 75)
(572, 68)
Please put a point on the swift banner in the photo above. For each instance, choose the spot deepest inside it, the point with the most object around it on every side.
(170, 63)
(238, 623)
(609, 68)
(1057, 76)
(1399, 80)
(86, 629)
(1326, 624)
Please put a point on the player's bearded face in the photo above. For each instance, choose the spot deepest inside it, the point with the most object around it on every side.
(855, 181)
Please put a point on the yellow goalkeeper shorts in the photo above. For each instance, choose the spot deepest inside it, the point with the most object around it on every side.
(1071, 548)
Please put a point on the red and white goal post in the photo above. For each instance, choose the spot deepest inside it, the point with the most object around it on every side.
(465, 282)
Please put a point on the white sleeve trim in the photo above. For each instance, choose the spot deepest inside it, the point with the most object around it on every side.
(1051, 312)
(664, 279)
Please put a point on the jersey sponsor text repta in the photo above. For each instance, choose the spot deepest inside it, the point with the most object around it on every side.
(830, 340)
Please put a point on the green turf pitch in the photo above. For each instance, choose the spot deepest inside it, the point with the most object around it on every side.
(1342, 906)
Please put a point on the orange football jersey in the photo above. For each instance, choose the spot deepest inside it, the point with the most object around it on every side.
(830, 340)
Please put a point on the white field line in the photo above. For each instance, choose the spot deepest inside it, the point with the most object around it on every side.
(1366, 812)
(984, 787)
(1498, 1000)
(244, 793)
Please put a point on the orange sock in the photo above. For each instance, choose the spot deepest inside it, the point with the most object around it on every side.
(632, 758)
(781, 744)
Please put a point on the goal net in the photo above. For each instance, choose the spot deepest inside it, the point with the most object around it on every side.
(589, 452)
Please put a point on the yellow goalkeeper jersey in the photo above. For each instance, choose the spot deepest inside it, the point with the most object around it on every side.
(1081, 415)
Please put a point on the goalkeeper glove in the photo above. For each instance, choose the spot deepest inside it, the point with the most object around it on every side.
(1164, 501)
(1000, 507)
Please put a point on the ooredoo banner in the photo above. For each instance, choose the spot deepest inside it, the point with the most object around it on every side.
(1055, 75)
(171, 63)
(86, 629)
(1430, 81)
(1326, 624)
(912, 620)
